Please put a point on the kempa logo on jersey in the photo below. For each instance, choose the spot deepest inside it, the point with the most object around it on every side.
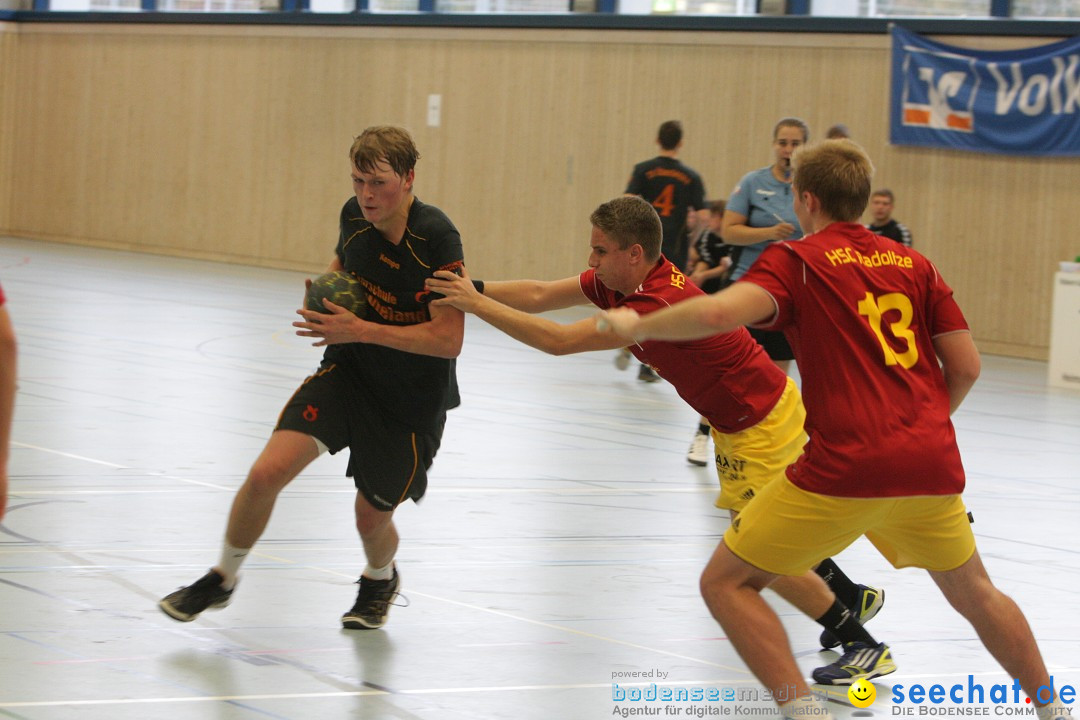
(971, 698)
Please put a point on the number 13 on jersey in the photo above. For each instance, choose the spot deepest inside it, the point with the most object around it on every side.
(873, 309)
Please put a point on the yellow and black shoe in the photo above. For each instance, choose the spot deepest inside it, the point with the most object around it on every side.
(860, 661)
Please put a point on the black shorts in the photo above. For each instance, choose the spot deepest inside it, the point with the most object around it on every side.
(387, 463)
(775, 344)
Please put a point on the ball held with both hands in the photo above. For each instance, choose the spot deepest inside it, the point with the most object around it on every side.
(340, 288)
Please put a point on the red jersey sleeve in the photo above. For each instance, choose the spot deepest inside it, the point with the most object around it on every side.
(944, 314)
(595, 290)
(775, 272)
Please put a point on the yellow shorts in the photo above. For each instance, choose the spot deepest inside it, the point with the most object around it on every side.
(750, 459)
(787, 530)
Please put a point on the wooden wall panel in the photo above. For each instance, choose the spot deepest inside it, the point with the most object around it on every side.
(8, 54)
(230, 143)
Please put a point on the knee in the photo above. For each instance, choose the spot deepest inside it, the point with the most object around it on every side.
(716, 587)
(370, 521)
(974, 597)
(267, 478)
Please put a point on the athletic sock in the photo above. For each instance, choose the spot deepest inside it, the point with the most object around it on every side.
(383, 573)
(846, 591)
(703, 429)
(842, 623)
(229, 565)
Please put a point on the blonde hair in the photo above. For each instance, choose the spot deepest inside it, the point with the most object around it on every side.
(838, 174)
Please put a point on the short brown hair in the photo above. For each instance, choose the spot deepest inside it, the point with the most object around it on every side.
(795, 123)
(384, 143)
(838, 173)
(669, 135)
(884, 192)
(630, 220)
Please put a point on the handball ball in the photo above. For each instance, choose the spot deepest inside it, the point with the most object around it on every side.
(340, 288)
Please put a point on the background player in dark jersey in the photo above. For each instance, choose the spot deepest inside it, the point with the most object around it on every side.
(870, 321)
(7, 396)
(674, 190)
(708, 268)
(753, 408)
(881, 209)
(382, 390)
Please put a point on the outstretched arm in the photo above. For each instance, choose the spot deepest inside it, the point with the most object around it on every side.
(537, 332)
(741, 304)
(531, 296)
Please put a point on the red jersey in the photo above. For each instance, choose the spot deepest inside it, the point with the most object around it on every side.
(1, 295)
(860, 313)
(726, 378)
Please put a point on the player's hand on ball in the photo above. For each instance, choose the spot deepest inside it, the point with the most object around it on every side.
(337, 325)
(456, 290)
(620, 321)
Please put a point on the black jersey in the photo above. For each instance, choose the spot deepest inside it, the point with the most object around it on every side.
(412, 390)
(894, 231)
(672, 188)
(711, 249)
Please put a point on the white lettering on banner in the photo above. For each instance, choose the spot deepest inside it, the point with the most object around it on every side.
(1030, 96)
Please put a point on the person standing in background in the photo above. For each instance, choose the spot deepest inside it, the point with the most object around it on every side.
(881, 207)
(710, 263)
(760, 212)
(674, 190)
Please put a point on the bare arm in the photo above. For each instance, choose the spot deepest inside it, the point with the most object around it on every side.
(960, 362)
(736, 232)
(7, 399)
(540, 333)
(533, 296)
(741, 304)
(440, 337)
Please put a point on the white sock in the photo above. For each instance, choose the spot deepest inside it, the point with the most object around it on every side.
(806, 708)
(384, 573)
(229, 565)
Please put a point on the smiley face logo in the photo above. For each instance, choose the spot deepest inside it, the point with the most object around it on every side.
(862, 694)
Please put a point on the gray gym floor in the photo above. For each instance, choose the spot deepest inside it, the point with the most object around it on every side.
(559, 545)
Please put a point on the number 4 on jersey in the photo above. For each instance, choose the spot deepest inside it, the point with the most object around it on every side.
(665, 201)
(874, 309)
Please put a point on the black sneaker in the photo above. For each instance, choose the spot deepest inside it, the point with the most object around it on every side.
(647, 374)
(186, 603)
(372, 603)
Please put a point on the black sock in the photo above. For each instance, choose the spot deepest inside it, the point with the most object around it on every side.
(704, 429)
(841, 622)
(846, 591)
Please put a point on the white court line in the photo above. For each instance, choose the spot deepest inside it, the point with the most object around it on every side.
(355, 693)
(114, 465)
(437, 491)
(519, 618)
(422, 691)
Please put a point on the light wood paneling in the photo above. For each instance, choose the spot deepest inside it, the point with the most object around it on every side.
(8, 40)
(230, 143)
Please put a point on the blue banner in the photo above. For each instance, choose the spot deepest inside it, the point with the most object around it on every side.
(1019, 102)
